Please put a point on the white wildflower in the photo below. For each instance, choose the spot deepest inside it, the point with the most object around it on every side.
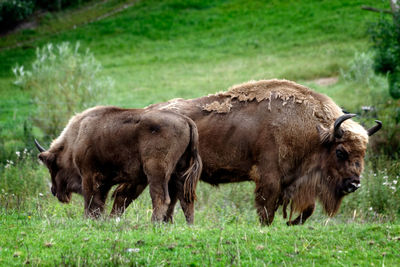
(130, 250)
(18, 153)
(9, 163)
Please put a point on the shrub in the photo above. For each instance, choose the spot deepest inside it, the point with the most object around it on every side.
(385, 37)
(387, 141)
(62, 81)
(380, 105)
(360, 69)
(14, 11)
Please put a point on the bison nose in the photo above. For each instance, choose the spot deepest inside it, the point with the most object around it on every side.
(53, 191)
(351, 184)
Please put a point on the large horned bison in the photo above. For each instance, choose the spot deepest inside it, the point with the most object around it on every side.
(104, 146)
(295, 144)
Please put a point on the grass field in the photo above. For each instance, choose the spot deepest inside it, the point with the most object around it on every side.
(158, 50)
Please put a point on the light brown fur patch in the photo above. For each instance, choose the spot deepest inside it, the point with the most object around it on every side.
(286, 91)
(254, 174)
(223, 107)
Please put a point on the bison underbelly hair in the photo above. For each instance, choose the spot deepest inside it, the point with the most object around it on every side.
(304, 192)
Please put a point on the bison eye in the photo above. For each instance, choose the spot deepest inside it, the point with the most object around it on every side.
(341, 154)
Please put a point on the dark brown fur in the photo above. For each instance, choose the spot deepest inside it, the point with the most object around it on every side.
(104, 146)
(280, 135)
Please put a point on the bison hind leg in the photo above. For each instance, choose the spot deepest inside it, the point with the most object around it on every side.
(158, 176)
(172, 188)
(176, 192)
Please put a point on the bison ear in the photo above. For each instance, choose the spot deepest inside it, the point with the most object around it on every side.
(47, 158)
(325, 135)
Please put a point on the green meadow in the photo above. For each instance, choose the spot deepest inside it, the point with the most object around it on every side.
(159, 50)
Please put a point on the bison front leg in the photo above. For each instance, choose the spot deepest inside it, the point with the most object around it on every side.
(188, 209)
(304, 215)
(95, 195)
(123, 196)
(266, 196)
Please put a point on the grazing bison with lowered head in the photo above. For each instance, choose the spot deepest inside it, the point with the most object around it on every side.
(295, 144)
(104, 146)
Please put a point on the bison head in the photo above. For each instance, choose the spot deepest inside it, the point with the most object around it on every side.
(342, 162)
(65, 179)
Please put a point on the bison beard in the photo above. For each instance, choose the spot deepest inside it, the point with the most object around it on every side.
(295, 144)
(104, 146)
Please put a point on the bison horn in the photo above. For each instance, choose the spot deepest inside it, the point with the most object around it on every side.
(338, 133)
(376, 128)
(39, 147)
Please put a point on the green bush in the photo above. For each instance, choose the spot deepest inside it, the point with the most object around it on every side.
(360, 69)
(387, 140)
(379, 103)
(385, 37)
(14, 11)
(62, 81)
(394, 84)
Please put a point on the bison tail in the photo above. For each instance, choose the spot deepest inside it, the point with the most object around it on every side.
(193, 173)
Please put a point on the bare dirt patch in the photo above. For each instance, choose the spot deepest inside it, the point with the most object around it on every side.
(326, 81)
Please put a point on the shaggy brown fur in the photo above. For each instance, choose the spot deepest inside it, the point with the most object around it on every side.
(104, 146)
(280, 135)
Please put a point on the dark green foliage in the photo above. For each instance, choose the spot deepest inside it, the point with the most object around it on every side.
(394, 84)
(12, 12)
(385, 36)
(388, 140)
(58, 4)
